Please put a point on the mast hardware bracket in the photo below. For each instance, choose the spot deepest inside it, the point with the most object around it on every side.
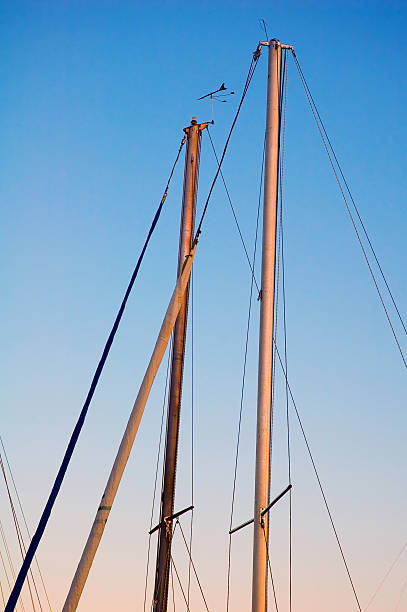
(277, 43)
(263, 512)
(167, 519)
(201, 126)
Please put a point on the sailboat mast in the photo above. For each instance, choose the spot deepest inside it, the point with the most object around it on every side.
(262, 478)
(177, 366)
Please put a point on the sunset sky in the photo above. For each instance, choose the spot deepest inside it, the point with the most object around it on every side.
(95, 95)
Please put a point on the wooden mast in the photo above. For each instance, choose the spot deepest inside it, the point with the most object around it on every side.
(177, 366)
(262, 478)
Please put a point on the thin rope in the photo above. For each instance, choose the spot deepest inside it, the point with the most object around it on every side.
(167, 561)
(386, 575)
(18, 529)
(192, 431)
(234, 214)
(270, 570)
(173, 591)
(5, 569)
(10, 562)
(266, 519)
(25, 520)
(354, 204)
(243, 382)
(252, 69)
(285, 328)
(2, 594)
(5, 572)
(78, 427)
(3, 536)
(193, 566)
(276, 285)
(156, 474)
(324, 141)
(179, 582)
(320, 484)
(19, 534)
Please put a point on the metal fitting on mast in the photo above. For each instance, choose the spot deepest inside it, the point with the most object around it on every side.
(194, 122)
(276, 43)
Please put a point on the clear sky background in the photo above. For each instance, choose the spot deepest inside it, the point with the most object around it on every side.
(94, 97)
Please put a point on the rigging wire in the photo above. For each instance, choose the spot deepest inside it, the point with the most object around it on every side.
(352, 199)
(332, 156)
(156, 472)
(193, 566)
(234, 215)
(19, 534)
(10, 562)
(244, 379)
(5, 570)
(162, 577)
(269, 566)
(266, 523)
(266, 519)
(179, 582)
(249, 77)
(173, 591)
(287, 418)
(277, 276)
(281, 254)
(192, 429)
(174, 566)
(2, 594)
(78, 427)
(386, 576)
(319, 482)
(281, 233)
(25, 520)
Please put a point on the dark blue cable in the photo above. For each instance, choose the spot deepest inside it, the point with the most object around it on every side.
(15, 593)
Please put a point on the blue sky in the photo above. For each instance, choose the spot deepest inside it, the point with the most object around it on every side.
(94, 99)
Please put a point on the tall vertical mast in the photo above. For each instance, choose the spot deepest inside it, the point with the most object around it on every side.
(177, 366)
(261, 499)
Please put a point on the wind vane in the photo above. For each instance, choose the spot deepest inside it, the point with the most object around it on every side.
(220, 97)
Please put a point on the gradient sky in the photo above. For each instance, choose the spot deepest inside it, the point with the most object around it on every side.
(94, 99)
